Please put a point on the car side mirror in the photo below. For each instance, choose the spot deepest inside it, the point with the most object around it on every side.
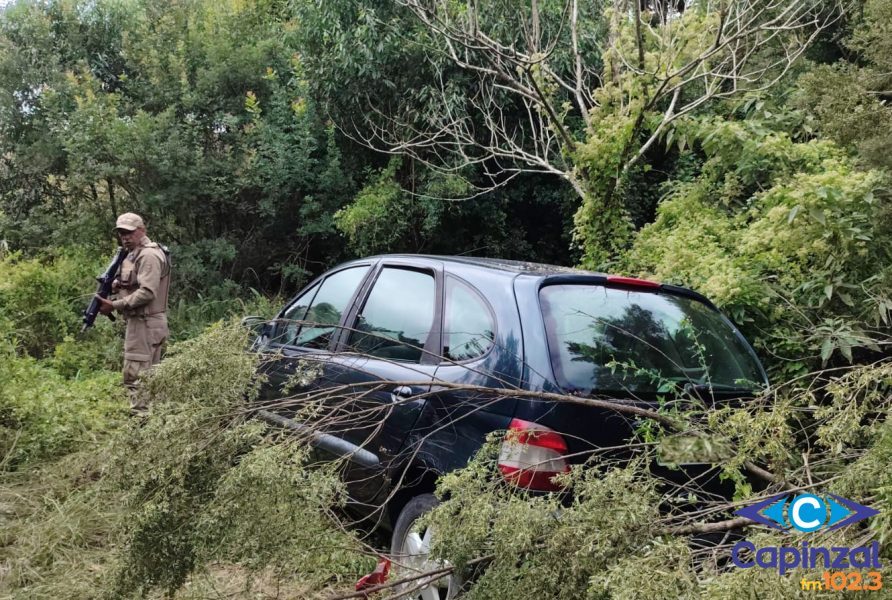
(253, 322)
(258, 326)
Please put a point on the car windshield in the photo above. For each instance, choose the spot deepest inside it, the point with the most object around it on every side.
(610, 340)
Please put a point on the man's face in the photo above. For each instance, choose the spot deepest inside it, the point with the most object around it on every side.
(131, 239)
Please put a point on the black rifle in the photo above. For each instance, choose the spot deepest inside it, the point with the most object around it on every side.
(104, 289)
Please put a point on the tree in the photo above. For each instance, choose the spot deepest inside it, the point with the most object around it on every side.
(194, 114)
(849, 98)
(592, 87)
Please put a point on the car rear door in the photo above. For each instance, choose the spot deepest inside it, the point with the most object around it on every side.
(481, 350)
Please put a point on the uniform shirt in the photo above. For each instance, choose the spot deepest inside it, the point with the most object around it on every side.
(148, 270)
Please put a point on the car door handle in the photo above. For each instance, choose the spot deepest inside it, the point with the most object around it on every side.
(400, 393)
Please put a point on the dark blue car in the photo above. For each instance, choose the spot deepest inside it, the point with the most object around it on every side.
(394, 363)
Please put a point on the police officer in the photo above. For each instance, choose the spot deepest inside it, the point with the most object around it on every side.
(142, 285)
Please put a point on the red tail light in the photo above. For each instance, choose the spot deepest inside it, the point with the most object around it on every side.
(632, 281)
(531, 455)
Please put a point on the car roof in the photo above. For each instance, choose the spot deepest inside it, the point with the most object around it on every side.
(553, 274)
(509, 266)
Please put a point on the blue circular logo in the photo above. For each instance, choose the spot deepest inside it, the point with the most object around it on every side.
(807, 512)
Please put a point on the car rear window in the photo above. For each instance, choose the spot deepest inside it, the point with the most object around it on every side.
(469, 326)
(603, 339)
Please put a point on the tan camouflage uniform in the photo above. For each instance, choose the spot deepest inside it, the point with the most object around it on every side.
(144, 281)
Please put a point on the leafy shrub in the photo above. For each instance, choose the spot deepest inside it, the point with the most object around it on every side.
(43, 414)
(385, 218)
(621, 521)
(538, 547)
(189, 318)
(199, 491)
(204, 483)
(42, 299)
(199, 267)
(788, 237)
(102, 348)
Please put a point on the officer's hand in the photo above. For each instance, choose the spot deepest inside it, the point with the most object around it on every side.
(116, 285)
(105, 305)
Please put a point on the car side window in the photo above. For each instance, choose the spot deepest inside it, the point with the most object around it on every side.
(323, 314)
(397, 317)
(469, 327)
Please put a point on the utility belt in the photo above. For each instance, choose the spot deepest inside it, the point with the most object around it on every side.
(139, 313)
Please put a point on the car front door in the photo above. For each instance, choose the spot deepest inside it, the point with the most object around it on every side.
(387, 357)
(297, 355)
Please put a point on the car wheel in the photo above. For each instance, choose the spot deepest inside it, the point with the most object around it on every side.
(410, 547)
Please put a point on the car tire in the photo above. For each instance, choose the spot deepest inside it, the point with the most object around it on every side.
(409, 546)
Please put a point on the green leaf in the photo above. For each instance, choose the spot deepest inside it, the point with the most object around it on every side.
(793, 212)
(818, 215)
(846, 349)
(826, 349)
(828, 290)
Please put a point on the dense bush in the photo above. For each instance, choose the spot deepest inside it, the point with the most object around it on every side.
(44, 414)
(59, 390)
(214, 120)
(789, 238)
(42, 299)
(203, 483)
(624, 522)
(197, 491)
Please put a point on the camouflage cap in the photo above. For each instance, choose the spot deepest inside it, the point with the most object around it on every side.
(129, 222)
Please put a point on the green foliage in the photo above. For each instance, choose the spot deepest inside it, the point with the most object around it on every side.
(142, 506)
(71, 398)
(152, 118)
(214, 120)
(540, 548)
(869, 475)
(189, 319)
(204, 483)
(58, 521)
(785, 236)
(378, 216)
(761, 433)
(41, 300)
(284, 524)
(61, 404)
(849, 98)
(853, 413)
(667, 564)
(384, 217)
(44, 414)
(598, 545)
(198, 268)
(602, 226)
